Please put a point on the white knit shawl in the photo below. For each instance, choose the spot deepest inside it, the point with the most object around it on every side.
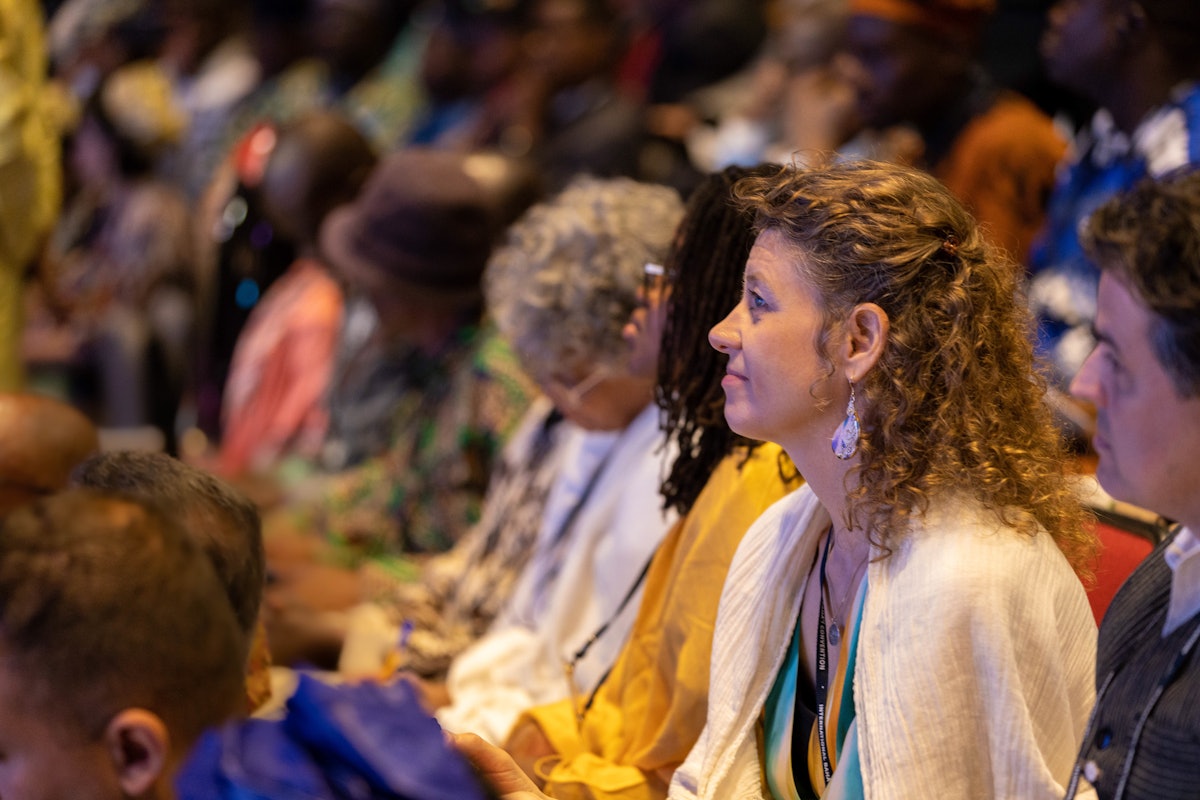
(975, 662)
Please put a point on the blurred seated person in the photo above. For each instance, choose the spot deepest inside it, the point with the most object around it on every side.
(466, 72)
(428, 245)
(121, 272)
(560, 289)
(205, 51)
(604, 517)
(1143, 379)
(279, 377)
(915, 63)
(1141, 69)
(41, 440)
(565, 111)
(219, 519)
(367, 52)
(688, 62)
(117, 649)
(798, 107)
(445, 392)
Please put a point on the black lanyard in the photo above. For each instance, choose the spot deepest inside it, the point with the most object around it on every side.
(546, 583)
(822, 673)
(569, 664)
(823, 669)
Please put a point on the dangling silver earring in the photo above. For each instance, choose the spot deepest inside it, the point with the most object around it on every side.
(845, 438)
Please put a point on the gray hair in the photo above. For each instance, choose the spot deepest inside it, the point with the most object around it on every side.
(565, 280)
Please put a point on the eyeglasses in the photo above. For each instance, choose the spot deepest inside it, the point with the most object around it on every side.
(653, 276)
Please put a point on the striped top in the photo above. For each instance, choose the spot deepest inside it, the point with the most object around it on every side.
(785, 779)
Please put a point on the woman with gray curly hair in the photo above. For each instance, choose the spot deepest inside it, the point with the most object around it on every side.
(560, 289)
(565, 282)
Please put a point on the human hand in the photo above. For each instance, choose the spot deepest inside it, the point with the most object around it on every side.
(527, 744)
(496, 767)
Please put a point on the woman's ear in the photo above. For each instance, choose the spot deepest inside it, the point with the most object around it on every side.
(866, 335)
(139, 746)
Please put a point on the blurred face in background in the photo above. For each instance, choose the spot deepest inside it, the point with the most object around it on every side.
(1079, 42)
(900, 73)
(564, 46)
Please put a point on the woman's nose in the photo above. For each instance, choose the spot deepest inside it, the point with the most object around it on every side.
(723, 335)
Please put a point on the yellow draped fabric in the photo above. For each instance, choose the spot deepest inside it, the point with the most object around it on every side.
(30, 192)
(648, 713)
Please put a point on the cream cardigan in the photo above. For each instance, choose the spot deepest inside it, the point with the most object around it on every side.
(975, 662)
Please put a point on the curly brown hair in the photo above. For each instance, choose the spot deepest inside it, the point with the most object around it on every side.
(954, 404)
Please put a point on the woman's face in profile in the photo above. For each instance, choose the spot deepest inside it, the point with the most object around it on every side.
(776, 387)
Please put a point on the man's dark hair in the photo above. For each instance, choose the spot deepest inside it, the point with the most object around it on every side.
(1149, 237)
(222, 521)
(106, 604)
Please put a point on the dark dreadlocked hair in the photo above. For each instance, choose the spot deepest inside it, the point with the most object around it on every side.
(704, 275)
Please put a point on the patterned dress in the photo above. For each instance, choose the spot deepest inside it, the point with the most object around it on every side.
(426, 491)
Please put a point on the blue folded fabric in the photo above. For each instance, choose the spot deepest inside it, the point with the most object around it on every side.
(351, 742)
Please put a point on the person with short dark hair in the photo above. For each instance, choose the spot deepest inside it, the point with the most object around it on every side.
(117, 649)
(223, 522)
(1144, 380)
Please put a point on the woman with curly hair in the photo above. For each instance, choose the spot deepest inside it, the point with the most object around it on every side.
(912, 619)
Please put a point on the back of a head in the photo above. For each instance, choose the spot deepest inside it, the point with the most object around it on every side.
(1149, 237)
(222, 522)
(41, 441)
(106, 605)
(319, 162)
(565, 281)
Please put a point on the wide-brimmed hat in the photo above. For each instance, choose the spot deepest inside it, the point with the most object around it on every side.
(421, 220)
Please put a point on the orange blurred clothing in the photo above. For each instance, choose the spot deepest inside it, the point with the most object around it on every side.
(1002, 167)
(274, 398)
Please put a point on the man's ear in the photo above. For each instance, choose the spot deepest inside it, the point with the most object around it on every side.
(138, 745)
(866, 335)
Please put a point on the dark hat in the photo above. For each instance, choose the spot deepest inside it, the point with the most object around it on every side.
(422, 220)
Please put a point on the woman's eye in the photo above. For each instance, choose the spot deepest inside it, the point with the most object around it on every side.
(756, 300)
